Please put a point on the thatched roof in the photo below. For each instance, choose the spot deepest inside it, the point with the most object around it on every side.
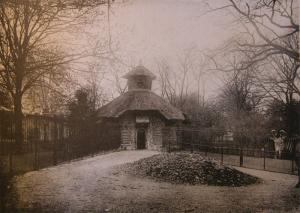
(140, 70)
(140, 100)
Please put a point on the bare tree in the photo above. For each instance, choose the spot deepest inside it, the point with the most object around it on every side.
(270, 43)
(28, 51)
(240, 93)
(271, 28)
(176, 82)
(95, 89)
(121, 88)
(167, 86)
(240, 99)
(280, 79)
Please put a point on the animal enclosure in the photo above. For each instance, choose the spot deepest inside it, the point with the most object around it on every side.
(50, 140)
(260, 155)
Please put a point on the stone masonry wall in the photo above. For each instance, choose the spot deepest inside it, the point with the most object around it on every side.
(155, 133)
(158, 136)
(128, 133)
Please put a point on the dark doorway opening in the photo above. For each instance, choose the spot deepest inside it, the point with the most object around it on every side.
(141, 139)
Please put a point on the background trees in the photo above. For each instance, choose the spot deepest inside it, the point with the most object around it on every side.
(88, 134)
(81, 109)
(33, 65)
(184, 80)
(29, 51)
(271, 28)
(240, 100)
(267, 51)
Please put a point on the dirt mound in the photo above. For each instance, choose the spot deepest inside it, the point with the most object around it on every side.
(191, 169)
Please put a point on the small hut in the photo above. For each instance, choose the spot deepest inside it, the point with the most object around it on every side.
(146, 120)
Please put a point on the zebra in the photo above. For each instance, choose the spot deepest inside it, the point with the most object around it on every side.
(278, 139)
(279, 146)
(284, 146)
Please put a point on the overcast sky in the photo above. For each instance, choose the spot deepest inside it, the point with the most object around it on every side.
(144, 31)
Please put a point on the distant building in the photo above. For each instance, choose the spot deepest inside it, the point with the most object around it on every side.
(146, 120)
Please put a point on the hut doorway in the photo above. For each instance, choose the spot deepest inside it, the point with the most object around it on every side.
(141, 138)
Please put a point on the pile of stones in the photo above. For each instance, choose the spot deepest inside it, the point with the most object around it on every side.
(190, 169)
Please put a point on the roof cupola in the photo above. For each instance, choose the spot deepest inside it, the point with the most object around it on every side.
(139, 78)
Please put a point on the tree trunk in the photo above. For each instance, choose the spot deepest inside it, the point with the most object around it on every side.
(18, 118)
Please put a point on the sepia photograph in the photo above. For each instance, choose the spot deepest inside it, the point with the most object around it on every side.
(145, 106)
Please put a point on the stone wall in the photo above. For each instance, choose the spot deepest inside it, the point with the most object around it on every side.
(153, 132)
(158, 135)
(128, 132)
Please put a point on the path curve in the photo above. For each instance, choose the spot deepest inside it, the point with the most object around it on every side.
(71, 185)
(96, 185)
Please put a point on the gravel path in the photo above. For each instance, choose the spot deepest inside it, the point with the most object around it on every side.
(97, 185)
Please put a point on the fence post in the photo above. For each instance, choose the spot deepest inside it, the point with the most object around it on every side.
(10, 159)
(264, 152)
(12, 145)
(293, 166)
(293, 154)
(35, 139)
(36, 155)
(68, 144)
(63, 142)
(222, 154)
(241, 157)
(54, 143)
(192, 141)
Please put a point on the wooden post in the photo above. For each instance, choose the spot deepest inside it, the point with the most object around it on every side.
(293, 166)
(63, 141)
(54, 143)
(10, 162)
(35, 163)
(35, 140)
(241, 151)
(241, 157)
(192, 142)
(294, 143)
(222, 154)
(264, 150)
(68, 143)
(12, 146)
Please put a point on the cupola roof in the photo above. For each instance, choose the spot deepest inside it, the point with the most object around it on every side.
(140, 71)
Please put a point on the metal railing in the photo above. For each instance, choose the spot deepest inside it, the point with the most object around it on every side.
(49, 141)
(262, 159)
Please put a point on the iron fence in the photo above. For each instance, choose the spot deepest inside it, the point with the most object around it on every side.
(50, 140)
(259, 154)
